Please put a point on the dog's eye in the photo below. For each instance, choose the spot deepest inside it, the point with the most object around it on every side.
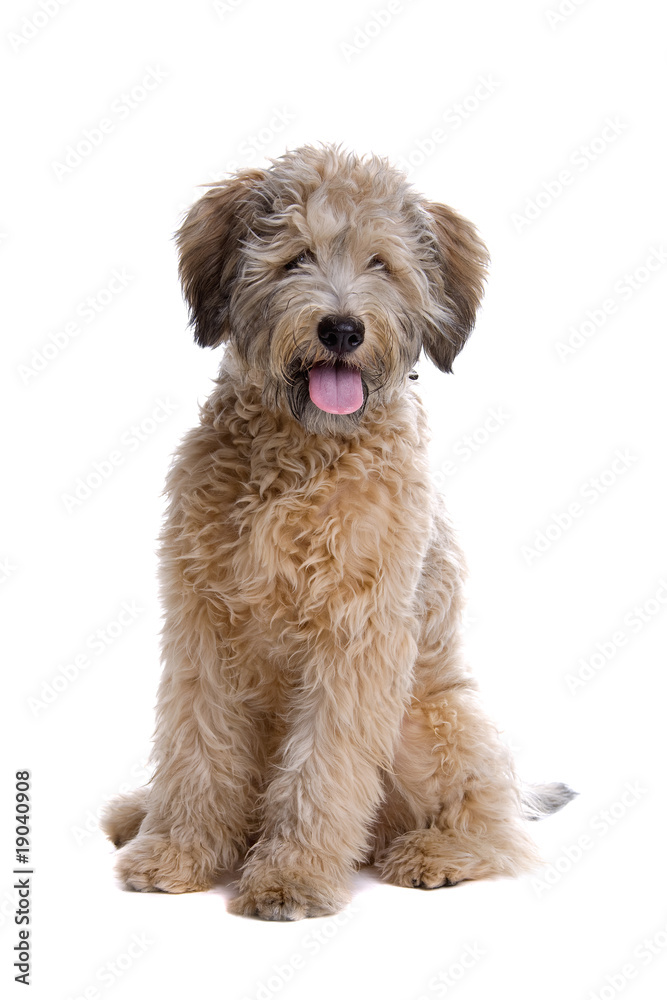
(305, 257)
(377, 263)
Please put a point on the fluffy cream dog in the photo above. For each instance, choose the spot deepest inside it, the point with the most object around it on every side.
(315, 710)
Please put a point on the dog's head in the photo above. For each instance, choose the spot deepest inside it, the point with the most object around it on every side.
(327, 274)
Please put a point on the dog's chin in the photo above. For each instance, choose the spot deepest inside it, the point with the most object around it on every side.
(316, 420)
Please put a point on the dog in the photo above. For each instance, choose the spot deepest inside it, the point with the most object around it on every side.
(315, 710)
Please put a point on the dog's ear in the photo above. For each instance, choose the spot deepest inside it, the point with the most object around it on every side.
(462, 261)
(209, 242)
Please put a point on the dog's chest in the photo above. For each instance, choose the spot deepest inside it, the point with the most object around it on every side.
(309, 544)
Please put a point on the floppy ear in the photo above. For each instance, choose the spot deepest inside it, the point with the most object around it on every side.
(209, 242)
(462, 262)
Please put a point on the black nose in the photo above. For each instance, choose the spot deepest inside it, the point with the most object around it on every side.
(341, 334)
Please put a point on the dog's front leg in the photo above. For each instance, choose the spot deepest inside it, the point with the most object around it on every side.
(208, 751)
(327, 783)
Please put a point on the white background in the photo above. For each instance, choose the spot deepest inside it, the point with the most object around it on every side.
(234, 86)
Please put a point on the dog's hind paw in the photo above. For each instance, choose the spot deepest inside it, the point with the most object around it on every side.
(284, 894)
(429, 859)
(150, 862)
(420, 860)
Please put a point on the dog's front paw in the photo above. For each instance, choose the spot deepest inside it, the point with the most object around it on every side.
(286, 894)
(151, 862)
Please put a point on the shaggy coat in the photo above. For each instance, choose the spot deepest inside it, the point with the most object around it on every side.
(315, 711)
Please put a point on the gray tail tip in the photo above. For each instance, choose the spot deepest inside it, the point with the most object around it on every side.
(542, 800)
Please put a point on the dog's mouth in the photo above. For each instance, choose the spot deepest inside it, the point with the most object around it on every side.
(336, 388)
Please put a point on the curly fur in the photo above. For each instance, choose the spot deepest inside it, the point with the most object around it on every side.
(315, 711)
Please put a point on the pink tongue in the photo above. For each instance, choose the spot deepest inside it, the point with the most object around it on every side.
(335, 388)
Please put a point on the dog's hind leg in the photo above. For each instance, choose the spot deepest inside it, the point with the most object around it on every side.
(453, 808)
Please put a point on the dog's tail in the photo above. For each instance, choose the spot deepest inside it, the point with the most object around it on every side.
(123, 816)
(541, 800)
